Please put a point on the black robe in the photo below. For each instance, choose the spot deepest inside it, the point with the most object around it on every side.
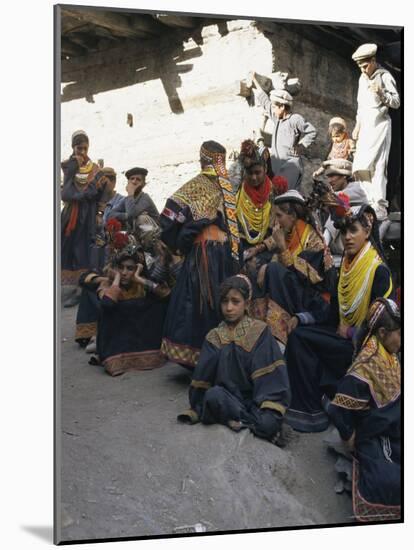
(241, 375)
(296, 284)
(318, 358)
(368, 404)
(129, 329)
(79, 253)
(89, 308)
(194, 304)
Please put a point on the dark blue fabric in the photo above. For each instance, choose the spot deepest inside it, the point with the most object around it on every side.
(77, 248)
(317, 358)
(293, 293)
(89, 306)
(379, 475)
(236, 394)
(194, 304)
(220, 406)
(130, 325)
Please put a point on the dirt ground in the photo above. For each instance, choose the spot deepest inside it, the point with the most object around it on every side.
(130, 469)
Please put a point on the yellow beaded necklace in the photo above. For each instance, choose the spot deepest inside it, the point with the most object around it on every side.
(355, 285)
(252, 217)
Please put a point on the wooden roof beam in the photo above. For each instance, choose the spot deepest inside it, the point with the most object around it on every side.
(118, 24)
(86, 41)
(71, 49)
(182, 21)
(70, 23)
(146, 24)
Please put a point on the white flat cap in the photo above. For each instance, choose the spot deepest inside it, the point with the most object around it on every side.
(341, 167)
(337, 120)
(290, 196)
(281, 96)
(364, 52)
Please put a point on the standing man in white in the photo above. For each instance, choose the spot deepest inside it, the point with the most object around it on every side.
(377, 93)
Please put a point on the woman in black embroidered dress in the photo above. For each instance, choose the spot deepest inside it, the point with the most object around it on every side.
(199, 222)
(81, 192)
(319, 350)
(366, 411)
(132, 312)
(300, 276)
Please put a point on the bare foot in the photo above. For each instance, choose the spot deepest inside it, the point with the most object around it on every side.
(285, 435)
(234, 425)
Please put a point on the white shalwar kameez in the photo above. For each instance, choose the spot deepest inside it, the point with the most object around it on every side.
(374, 139)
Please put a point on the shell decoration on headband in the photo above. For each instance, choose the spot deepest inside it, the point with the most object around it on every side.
(375, 311)
(249, 284)
(377, 308)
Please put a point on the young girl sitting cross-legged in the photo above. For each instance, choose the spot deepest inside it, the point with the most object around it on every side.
(240, 379)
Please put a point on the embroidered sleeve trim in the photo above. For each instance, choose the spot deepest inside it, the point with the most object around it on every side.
(269, 243)
(191, 414)
(307, 270)
(113, 293)
(89, 278)
(214, 338)
(314, 243)
(267, 370)
(347, 402)
(273, 406)
(200, 384)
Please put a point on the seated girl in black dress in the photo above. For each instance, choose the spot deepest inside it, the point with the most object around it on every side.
(240, 379)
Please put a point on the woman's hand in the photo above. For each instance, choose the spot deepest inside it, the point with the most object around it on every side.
(101, 182)
(342, 330)
(116, 275)
(261, 276)
(292, 324)
(137, 274)
(81, 160)
(99, 280)
(249, 253)
(279, 238)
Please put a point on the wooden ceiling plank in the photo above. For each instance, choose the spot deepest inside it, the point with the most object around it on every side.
(71, 49)
(146, 24)
(69, 24)
(182, 21)
(115, 22)
(337, 34)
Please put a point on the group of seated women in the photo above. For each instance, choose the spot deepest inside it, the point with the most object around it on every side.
(299, 344)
